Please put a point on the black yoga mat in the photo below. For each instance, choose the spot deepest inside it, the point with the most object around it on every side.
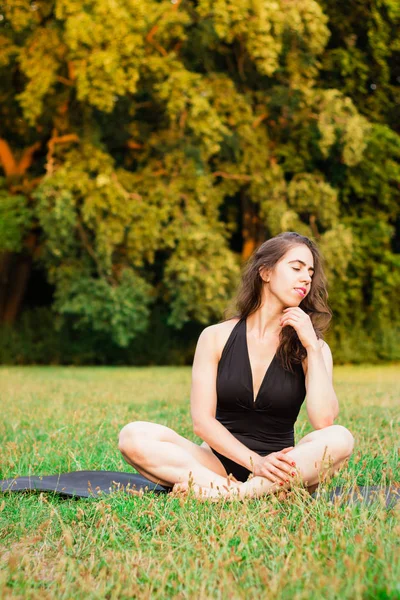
(94, 484)
(84, 484)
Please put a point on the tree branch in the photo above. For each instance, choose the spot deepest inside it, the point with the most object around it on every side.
(134, 145)
(259, 120)
(65, 81)
(154, 29)
(231, 176)
(62, 139)
(10, 165)
(7, 159)
(124, 192)
(27, 158)
(149, 38)
(57, 139)
(313, 226)
(88, 247)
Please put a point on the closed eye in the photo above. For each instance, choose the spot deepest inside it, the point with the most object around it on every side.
(296, 269)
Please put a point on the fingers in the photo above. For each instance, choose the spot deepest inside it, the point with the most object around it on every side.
(288, 321)
(279, 467)
(287, 459)
(278, 480)
(281, 474)
(275, 475)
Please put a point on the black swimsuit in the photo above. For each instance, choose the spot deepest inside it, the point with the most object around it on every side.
(265, 425)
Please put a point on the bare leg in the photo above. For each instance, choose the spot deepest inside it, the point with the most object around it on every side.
(306, 473)
(319, 453)
(165, 457)
(145, 473)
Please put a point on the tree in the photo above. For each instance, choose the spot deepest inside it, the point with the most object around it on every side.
(138, 140)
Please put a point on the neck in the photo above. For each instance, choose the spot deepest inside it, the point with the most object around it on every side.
(264, 323)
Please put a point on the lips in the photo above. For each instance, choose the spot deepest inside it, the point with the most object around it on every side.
(301, 291)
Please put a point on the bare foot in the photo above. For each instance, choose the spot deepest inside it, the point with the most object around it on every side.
(238, 491)
(207, 493)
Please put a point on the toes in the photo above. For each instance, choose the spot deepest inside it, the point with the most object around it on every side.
(180, 487)
(205, 494)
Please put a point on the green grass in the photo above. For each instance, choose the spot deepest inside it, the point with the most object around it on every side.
(65, 419)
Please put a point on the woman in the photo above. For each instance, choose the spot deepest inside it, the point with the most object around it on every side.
(250, 376)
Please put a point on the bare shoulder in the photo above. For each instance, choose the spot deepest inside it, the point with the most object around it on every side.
(220, 333)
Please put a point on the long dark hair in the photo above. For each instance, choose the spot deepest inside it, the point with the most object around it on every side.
(248, 296)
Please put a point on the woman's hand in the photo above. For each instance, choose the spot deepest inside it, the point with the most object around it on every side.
(276, 466)
(301, 322)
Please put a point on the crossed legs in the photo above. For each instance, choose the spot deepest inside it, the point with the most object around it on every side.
(165, 457)
(317, 455)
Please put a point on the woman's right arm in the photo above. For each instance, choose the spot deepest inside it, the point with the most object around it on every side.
(203, 403)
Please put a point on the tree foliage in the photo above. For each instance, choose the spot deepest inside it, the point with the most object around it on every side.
(148, 149)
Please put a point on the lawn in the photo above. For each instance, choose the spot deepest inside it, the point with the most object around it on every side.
(66, 419)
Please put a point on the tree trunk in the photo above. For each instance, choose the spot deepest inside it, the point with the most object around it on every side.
(254, 231)
(15, 270)
(5, 268)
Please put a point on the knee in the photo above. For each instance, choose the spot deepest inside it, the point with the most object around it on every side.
(131, 437)
(345, 439)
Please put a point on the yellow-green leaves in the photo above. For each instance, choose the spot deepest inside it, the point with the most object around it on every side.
(337, 245)
(119, 308)
(165, 140)
(15, 220)
(200, 276)
(22, 14)
(264, 29)
(7, 50)
(309, 195)
(39, 60)
(105, 42)
(339, 121)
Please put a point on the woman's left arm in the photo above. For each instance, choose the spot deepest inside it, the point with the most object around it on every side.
(321, 402)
